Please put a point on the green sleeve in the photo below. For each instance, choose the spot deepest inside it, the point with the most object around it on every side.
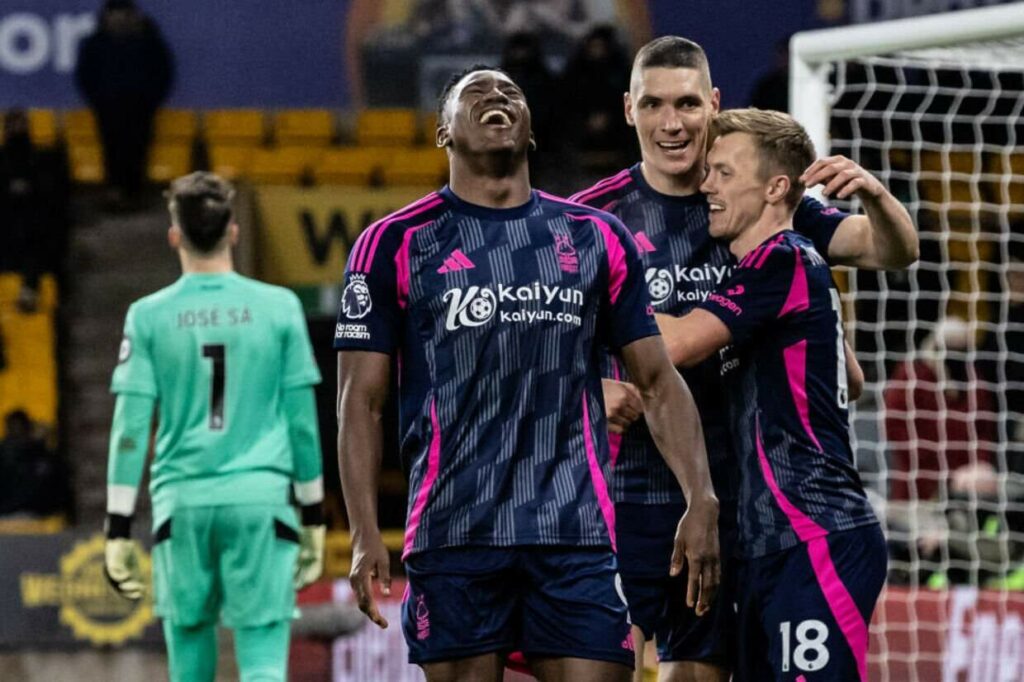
(134, 372)
(129, 443)
(304, 434)
(300, 368)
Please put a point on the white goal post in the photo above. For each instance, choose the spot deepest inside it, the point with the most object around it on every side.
(811, 53)
(934, 107)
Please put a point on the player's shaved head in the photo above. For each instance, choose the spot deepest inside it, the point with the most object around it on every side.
(672, 52)
(784, 147)
(200, 205)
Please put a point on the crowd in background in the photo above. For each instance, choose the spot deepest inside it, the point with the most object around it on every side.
(953, 413)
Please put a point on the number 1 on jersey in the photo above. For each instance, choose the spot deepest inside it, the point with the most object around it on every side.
(215, 352)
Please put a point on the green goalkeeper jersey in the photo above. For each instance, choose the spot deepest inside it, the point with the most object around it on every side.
(216, 351)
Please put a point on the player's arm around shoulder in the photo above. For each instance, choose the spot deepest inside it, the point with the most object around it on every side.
(885, 237)
(693, 337)
(674, 422)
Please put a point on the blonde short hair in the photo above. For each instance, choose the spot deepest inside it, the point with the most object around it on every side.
(783, 145)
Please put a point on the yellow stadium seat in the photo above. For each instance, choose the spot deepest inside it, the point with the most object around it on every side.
(42, 127)
(30, 380)
(282, 165)
(416, 166)
(175, 125)
(231, 161)
(386, 127)
(1009, 169)
(86, 161)
(234, 126)
(303, 127)
(80, 126)
(169, 160)
(351, 165)
(428, 128)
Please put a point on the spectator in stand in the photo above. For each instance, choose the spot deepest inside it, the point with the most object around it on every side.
(522, 58)
(593, 85)
(771, 91)
(939, 420)
(21, 205)
(32, 478)
(125, 71)
(940, 424)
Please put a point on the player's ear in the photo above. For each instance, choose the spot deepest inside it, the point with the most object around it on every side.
(442, 136)
(533, 142)
(627, 104)
(174, 237)
(233, 234)
(716, 100)
(777, 189)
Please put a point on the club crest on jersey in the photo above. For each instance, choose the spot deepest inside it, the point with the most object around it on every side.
(355, 300)
(660, 284)
(568, 261)
(125, 351)
(469, 308)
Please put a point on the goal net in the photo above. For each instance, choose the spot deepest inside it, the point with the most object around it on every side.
(933, 107)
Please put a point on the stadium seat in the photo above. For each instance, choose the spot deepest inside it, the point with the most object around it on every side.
(175, 125)
(169, 160)
(282, 165)
(386, 127)
(234, 126)
(1008, 166)
(80, 126)
(351, 165)
(86, 161)
(42, 127)
(416, 166)
(303, 127)
(428, 128)
(231, 161)
(30, 379)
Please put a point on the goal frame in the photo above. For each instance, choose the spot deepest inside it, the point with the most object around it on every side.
(812, 53)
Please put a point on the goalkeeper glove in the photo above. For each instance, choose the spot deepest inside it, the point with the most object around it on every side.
(311, 555)
(121, 559)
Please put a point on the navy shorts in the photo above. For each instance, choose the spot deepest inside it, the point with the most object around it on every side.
(803, 613)
(657, 602)
(542, 601)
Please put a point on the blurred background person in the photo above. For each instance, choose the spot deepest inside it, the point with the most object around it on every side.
(771, 91)
(522, 58)
(593, 84)
(33, 481)
(21, 204)
(125, 71)
(941, 433)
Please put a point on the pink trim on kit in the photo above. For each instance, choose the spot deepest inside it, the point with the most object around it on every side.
(364, 251)
(616, 255)
(795, 357)
(840, 603)
(402, 264)
(620, 179)
(596, 476)
(797, 300)
(433, 465)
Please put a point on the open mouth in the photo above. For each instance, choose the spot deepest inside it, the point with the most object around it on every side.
(674, 147)
(715, 207)
(498, 118)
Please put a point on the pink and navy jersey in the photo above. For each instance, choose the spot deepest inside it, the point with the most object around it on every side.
(789, 398)
(683, 265)
(497, 318)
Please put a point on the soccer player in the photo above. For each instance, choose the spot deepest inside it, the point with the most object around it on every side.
(493, 301)
(671, 103)
(813, 558)
(226, 365)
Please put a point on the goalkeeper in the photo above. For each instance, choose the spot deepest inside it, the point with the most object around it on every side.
(226, 365)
